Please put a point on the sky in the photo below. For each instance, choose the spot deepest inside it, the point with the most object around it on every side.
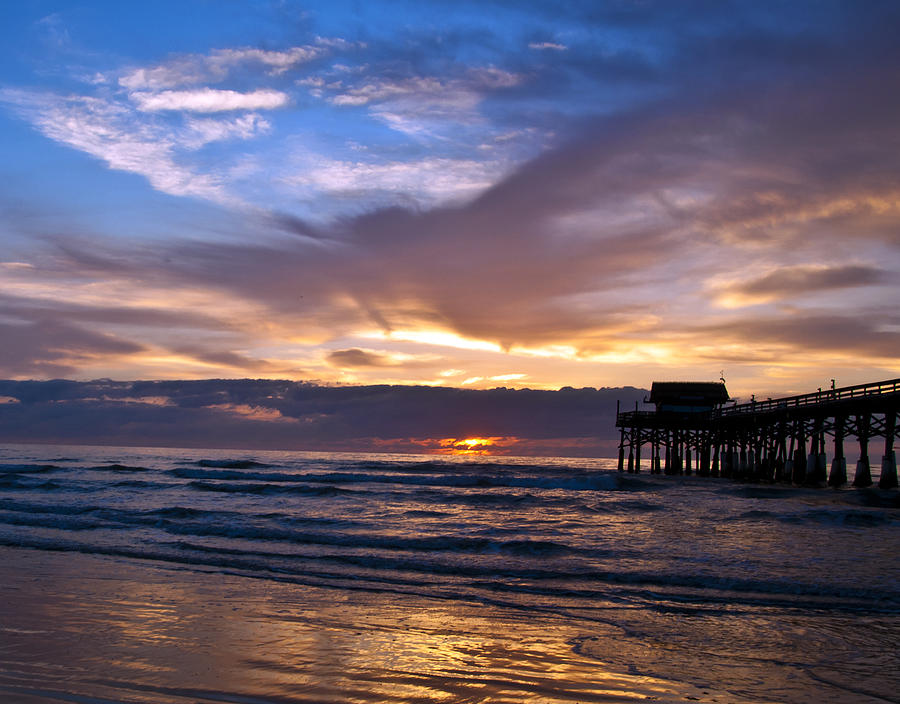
(459, 194)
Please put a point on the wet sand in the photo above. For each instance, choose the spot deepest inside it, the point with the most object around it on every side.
(82, 628)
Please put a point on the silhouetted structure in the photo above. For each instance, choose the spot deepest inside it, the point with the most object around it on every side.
(693, 428)
(687, 396)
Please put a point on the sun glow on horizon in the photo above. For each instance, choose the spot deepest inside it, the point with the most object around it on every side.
(470, 446)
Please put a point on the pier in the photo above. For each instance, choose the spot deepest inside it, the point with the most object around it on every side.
(693, 429)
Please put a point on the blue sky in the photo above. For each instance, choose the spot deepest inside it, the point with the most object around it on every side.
(458, 194)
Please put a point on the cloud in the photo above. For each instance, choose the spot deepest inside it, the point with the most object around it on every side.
(543, 46)
(192, 69)
(112, 132)
(187, 71)
(279, 61)
(734, 157)
(281, 414)
(600, 249)
(356, 357)
(108, 132)
(209, 100)
(146, 333)
(51, 349)
(202, 131)
(870, 335)
(421, 105)
(800, 280)
(427, 181)
(257, 413)
(568, 254)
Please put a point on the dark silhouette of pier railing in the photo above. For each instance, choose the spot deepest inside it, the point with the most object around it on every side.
(817, 398)
(767, 440)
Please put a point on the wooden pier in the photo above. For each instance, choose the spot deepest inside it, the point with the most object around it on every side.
(693, 429)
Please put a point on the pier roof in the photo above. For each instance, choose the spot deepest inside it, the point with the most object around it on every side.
(688, 393)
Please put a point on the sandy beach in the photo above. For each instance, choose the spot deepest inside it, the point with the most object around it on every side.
(99, 629)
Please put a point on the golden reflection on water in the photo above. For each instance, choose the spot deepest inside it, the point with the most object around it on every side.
(126, 630)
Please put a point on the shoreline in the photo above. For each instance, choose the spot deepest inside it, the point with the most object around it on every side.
(101, 628)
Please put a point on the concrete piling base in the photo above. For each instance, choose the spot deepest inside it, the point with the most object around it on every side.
(799, 474)
(815, 468)
(838, 476)
(863, 472)
(888, 472)
(810, 477)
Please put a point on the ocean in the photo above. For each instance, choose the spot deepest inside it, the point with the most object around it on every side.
(175, 575)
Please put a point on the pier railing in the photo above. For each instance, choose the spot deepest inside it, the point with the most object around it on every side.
(879, 388)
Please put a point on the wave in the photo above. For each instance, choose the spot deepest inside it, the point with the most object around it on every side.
(662, 592)
(833, 517)
(178, 520)
(599, 481)
(302, 490)
(848, 517)
(231, 464)
(623, 506)
(457, 466)
(70, 523)
(18, 483)
(31, 507)
(115, 467)
(29, 468)
(142, 484)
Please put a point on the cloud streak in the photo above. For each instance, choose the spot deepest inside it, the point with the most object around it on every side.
(209, 100)
(215, 67)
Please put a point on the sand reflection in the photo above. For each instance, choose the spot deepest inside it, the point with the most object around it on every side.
(119, 629)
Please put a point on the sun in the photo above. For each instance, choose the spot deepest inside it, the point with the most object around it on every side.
(472, 443)
(468, 446)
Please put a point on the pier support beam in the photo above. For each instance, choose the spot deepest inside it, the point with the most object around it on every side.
(815, 462)
(838, 476)
(799, 474)
(863, 471)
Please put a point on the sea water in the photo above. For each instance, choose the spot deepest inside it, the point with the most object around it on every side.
(173, 575)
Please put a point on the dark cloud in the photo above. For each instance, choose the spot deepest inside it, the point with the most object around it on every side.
(48, 349)
(225, 413)
(803, 279)
(33, 309)
(54, 338)
(869, 335)
(356, 357)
